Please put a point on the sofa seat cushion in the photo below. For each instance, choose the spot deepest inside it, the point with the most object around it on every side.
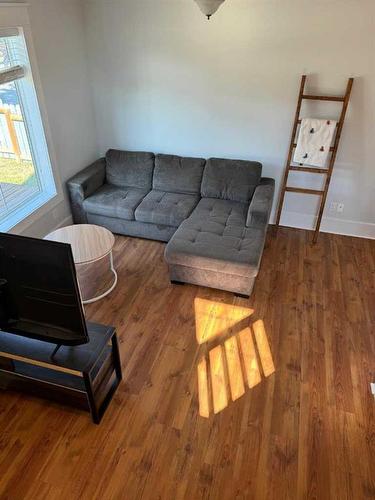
(178, 174)
(161, 207)
(113, 201)
(218, 241)
(224, 212)
(234, 180)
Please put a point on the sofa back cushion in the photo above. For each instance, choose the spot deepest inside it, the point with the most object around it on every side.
(178, 174)
(129, 168)
(234, 180)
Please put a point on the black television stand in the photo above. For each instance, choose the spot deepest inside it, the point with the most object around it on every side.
(84, 376)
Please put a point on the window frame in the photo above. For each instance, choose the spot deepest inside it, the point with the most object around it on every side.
(16, 16)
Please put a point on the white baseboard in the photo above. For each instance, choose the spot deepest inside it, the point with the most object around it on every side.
(329, 225)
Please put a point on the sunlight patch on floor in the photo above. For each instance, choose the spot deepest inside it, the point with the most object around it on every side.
(203, 390)
(236, 381)
(236, 364)
(263, 348)
(214, 319)
(251, 366)
(218, 380)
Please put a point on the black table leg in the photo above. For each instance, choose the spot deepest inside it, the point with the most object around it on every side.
(116, 357)
(91, 399)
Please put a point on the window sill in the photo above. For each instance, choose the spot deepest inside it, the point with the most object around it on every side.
(24, 213)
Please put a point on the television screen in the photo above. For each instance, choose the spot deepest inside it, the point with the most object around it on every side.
(39, 293)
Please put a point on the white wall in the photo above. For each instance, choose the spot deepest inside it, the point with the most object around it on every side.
(167, 80)
(59, 42)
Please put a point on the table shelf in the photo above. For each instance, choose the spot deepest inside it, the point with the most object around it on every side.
(85, 376)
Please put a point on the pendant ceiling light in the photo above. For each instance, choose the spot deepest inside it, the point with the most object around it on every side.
(209, 7)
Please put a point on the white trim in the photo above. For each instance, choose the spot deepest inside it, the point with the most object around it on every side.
(25, 210)
(7, 32)
(17, 16)
(329, 225)
(24, 224)
(42, 108)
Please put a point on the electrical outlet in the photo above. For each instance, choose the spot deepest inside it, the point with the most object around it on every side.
(340, 208)
(333, 206)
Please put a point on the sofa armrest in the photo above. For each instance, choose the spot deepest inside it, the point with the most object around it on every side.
(260, 206)
(84, 184)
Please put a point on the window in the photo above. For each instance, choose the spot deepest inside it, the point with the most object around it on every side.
(26, 178)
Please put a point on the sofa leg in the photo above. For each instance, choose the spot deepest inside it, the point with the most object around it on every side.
(242, 295)
(174, 282)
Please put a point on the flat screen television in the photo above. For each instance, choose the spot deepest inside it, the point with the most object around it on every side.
(39, 293)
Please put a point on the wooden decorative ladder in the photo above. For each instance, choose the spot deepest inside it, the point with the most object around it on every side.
(326, 171)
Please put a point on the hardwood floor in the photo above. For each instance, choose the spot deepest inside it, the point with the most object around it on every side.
(283, 409)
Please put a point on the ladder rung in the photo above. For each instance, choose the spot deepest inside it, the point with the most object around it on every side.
(304, 191)
(312, 170)
(323, 98)
(300, 121)
(331, 148)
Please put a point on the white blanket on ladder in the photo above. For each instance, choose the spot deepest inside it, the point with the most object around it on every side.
(314, 140)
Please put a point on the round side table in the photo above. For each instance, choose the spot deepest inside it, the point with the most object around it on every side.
(89, 244)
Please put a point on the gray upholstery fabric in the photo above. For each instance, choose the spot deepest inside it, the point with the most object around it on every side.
(230, 179)
(83, 185)
(218, 243)
(130, 169)
(224, 212)
(178, 174)
(212, 279)
(114, 201)
(261, 204)
(160, 207)
(133, 227)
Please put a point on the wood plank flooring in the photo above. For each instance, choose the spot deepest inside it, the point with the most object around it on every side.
(283, 410)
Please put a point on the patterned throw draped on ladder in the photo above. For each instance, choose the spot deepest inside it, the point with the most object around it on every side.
(314, 140)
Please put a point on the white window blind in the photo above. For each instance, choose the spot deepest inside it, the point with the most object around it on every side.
(26, 178)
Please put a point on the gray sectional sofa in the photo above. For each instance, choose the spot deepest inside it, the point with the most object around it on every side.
(213, 214)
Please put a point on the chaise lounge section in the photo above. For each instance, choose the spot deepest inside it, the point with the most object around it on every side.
(221, 243)
(214, 214)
